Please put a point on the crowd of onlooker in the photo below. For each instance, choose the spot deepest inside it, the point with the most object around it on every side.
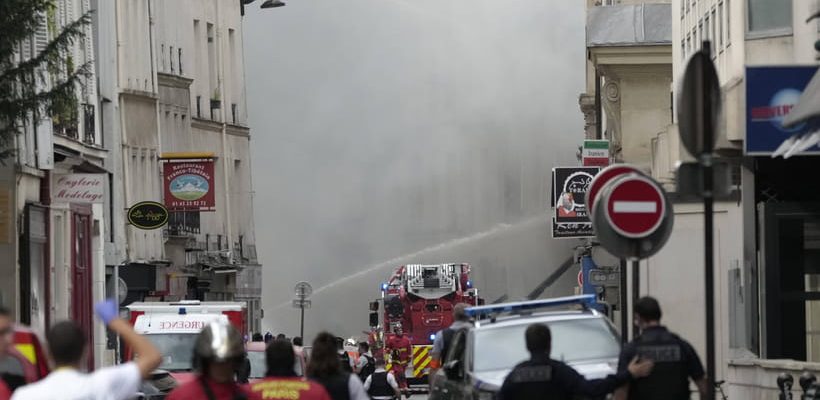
(219, 360)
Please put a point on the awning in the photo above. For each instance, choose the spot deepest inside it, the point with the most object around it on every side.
(808, 106)
(806, 111)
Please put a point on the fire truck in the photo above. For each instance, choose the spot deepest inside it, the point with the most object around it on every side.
(421, 299)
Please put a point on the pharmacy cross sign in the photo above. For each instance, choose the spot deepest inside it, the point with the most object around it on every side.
(635, 207)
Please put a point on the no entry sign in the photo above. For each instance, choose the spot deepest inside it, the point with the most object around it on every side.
(635, 206)
(602, 178)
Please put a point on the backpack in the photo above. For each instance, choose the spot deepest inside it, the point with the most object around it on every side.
(368, 368)
(344, 360)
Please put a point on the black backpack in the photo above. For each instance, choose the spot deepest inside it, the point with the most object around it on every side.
(344, 360)
(368, 368)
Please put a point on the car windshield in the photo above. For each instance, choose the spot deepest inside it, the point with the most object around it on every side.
(259, 367)
(177, 350)
(572, 341)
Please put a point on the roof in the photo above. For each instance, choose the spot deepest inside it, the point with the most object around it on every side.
(512, 320)
(808, 106)
(629, 25)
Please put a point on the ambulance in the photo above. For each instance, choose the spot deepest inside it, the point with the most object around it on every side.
(173, 327)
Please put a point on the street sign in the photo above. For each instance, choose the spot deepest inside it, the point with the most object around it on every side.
(699, 105)
(303, 290)
(602, 178)
(595, 153)
(635, 206)
(601, 277)
(301, 303)
(632, 240)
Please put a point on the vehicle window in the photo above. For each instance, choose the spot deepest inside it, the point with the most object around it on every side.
(572, 341)
(258, 366)
(177, 350)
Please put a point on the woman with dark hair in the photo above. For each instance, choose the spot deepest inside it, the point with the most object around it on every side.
(325, 368)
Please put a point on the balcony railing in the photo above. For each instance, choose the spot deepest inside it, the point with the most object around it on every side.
(183, 223)
(89, 136)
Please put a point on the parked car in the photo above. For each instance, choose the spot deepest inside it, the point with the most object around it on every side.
(480, 358)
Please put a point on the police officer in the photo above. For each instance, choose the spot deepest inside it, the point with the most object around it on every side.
(675, 359)
(541, 377)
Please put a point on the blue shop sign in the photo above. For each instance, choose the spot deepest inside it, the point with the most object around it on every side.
(771, 92)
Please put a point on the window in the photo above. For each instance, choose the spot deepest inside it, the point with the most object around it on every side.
(728, 22)
(179, 60)
(770, 16)
(714, 31)
(706, 23)
(720, 25)
(162, 52)
(171, 57)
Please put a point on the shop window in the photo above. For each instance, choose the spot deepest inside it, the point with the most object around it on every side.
(769, 17)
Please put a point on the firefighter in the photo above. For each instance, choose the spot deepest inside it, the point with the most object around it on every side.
(401, 351)
(217, 352)
(280, 381)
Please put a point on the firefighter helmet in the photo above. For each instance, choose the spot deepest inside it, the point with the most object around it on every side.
(218, 342)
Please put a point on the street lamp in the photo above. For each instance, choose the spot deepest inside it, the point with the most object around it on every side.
(272, 4)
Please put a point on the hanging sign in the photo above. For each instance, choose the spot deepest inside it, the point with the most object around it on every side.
(595, 153)
(189, 185)
(148, 215)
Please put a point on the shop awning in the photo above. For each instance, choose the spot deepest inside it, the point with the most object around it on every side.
(806, 111)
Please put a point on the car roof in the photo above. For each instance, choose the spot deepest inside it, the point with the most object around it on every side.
(508, 320)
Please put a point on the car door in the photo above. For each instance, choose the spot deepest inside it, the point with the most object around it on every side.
(451, 381)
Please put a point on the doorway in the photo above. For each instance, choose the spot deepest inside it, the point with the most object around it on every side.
(81, 264)
(790, 290)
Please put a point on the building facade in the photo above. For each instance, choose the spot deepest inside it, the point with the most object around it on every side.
(766, 281)
(174, 93)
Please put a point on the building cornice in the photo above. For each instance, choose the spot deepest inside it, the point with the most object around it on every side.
(176, 81)
(631, 55)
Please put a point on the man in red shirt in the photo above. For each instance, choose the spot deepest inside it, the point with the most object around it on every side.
(400, 350)
(218, 351)
(5, 393)
(281, 381)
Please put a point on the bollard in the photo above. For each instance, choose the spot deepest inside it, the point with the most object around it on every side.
(807, 381)
(785, 383)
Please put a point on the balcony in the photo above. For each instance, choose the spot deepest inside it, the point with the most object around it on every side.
(89, 136)
(183, 223)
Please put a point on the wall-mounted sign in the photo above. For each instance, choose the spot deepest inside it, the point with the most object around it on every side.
(148, 215)
(78, 188)
(771, 92)
(189, 185)
(595, 153)
(569, 188)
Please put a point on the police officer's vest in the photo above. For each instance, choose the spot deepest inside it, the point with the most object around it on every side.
(379, 387)
(670, 377)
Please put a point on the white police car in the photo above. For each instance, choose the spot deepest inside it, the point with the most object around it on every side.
(480, 358)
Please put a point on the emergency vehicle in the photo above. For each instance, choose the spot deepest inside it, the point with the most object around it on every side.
(173, 328)
(421, 298)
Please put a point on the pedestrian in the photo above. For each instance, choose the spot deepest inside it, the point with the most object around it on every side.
(675, 359)
(6, 332)
(281, 336)
(257, 337)
(217, 353)
(365, 365)
(325, 368)
(541, 377)
(67, 345)
(268, 337)
(280, 381)
(400, 350)
(297, 341)
(344, 357)
(382, 385)
(441, 344)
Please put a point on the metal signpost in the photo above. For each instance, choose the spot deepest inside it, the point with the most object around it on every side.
(632, 219)
(699, 106)
(303, 291)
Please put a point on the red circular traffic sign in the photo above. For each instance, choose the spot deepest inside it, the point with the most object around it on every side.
(602, 178)
(635, 206)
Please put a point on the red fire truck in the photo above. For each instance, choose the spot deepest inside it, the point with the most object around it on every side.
(421, 299)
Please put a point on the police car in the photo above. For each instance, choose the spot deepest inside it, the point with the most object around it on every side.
(480, 358)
